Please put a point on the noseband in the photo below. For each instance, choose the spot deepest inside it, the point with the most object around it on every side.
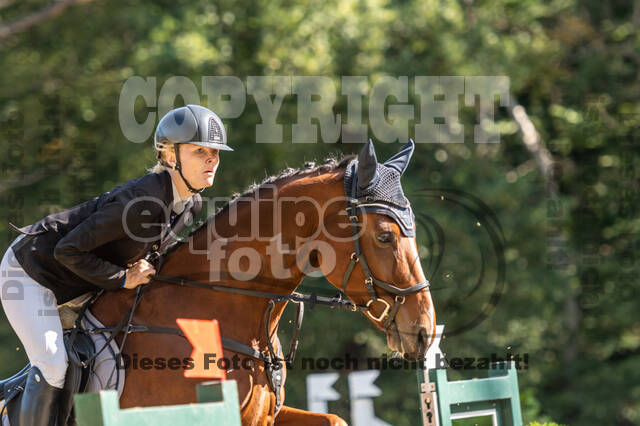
(370, 280)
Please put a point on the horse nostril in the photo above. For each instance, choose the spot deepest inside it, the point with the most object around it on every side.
(423, 338)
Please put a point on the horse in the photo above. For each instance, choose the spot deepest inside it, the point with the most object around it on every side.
(265, 241)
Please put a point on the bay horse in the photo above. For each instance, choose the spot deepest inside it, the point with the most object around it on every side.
(267, 240)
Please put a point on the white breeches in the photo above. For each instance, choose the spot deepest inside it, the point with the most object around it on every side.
(33, 313)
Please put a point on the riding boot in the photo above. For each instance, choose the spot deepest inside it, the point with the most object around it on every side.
(39, 402)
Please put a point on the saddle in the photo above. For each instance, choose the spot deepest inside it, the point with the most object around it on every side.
(80, 350)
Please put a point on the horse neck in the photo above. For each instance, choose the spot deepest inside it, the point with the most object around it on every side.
(302, 203)
(265, 226)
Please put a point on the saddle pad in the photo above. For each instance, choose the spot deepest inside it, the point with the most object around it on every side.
(105, 375)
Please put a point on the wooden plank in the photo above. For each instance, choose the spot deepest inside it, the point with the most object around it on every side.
(103, 409)
(498, 392)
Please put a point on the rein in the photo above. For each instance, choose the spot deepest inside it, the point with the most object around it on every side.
(310, 299)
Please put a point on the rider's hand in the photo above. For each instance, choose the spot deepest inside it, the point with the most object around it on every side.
(139, 273)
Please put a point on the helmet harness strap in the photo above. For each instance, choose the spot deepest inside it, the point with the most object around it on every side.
(179, 168)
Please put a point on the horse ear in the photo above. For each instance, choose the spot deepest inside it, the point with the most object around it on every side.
(367, 165)
(400, 161)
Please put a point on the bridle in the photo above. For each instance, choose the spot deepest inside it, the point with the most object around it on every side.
(370, 280)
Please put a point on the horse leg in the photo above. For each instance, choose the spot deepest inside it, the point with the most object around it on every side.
(289, 416)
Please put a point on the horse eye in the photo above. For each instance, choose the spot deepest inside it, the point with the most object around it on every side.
(385, 237)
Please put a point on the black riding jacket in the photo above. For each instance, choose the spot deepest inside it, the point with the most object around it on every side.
(91, 245)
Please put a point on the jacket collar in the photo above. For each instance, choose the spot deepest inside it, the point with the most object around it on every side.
(172, 198)
(168, 236)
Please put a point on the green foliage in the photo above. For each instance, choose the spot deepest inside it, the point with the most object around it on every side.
(570, 299)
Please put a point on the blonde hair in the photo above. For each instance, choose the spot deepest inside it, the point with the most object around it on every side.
(161, 147)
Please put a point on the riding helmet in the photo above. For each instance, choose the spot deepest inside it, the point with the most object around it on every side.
(192, 124)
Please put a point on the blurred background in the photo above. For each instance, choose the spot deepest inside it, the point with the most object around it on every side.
(552, 229)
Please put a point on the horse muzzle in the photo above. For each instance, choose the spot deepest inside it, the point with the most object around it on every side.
(412, 344)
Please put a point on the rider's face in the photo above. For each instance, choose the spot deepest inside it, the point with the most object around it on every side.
(199, 164)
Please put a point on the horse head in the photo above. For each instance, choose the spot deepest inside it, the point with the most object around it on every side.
(379, 266)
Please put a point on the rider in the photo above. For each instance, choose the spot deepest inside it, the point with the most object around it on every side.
(100, 244)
